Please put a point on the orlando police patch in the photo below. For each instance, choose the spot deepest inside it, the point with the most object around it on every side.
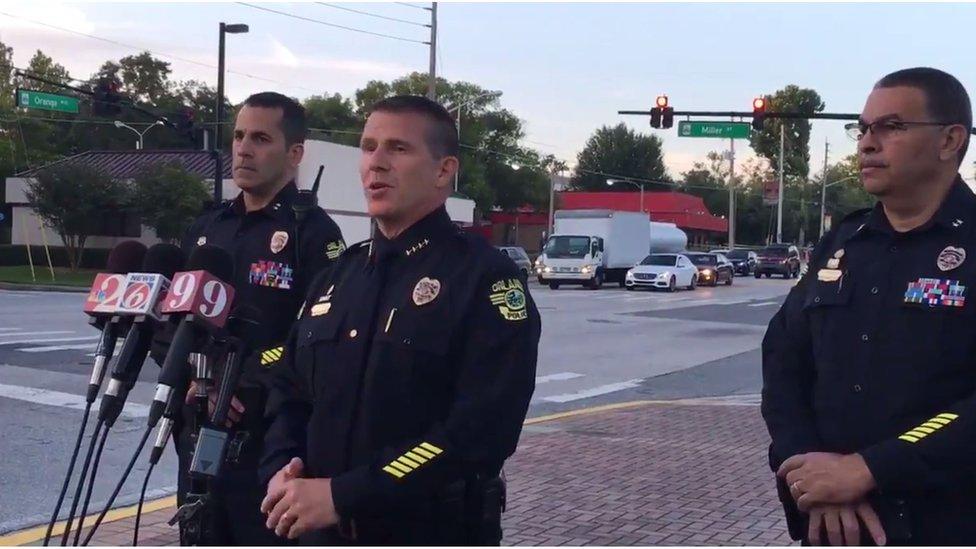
(509, 297)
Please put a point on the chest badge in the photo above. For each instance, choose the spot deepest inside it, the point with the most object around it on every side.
(950, 258)
(201, 241)
(278, 241)
(320, 309)
(426, 291)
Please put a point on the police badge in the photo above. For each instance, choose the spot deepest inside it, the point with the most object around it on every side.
(950, 258)
(426, 291)
(278, 241)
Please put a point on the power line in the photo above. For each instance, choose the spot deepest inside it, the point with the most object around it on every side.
(409, 5)
(333, 25)
(376, 15)
(159, 54)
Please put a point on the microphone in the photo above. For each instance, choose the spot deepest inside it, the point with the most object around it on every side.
(201, 300)
(244, 327)
(102, 301)
(140, 304)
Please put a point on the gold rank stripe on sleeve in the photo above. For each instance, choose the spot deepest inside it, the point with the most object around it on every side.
(271, 356)
(413, 459)
(927, 428)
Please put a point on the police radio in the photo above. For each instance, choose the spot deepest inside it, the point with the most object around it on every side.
(304, 202)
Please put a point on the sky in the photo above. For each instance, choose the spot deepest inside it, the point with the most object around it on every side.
(564, 68)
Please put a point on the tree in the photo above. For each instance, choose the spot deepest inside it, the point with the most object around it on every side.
(144, 77)
(335, 113)
(796, 159)
(45, 67)
(845, 192)
(73, 198)
(167, 198)
(622, 153)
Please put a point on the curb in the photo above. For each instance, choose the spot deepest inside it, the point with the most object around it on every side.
(37, 533)
(41, 288)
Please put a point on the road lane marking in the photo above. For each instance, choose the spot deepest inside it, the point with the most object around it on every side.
(764, 304)
(50, 340)
(561, 376)
(63, 400)
(595, 391)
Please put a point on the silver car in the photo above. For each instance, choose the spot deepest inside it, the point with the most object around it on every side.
(519, 257)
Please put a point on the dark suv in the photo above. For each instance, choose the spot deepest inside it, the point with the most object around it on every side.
(781, 259)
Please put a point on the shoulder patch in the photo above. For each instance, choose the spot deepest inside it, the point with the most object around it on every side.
(334, 249)
(508, 296)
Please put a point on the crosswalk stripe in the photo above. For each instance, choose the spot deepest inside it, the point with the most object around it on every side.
(561, 376)
(51, 348)
(763, 304)
(63, 400)
(9, 329)
(32, 334)
(595, 391)
(50, 340)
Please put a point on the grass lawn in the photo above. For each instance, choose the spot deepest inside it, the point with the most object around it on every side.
(21, 274)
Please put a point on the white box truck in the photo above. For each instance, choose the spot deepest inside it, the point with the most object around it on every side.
(590, 247)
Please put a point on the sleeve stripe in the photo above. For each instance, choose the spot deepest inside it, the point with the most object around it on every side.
(423, 452)
(403, 468)
(940, 420)
(908, 438)
(918, 434)
(393, 472)
(932, 425)
(408, 462)
(415, 457)
(431, 447)
(948, 416)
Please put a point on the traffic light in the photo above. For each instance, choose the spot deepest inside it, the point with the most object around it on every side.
(185, 121)
(661, 110)
(758, 113)
(106, 97)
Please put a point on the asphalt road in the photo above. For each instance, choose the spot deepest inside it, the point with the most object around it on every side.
(597, 347)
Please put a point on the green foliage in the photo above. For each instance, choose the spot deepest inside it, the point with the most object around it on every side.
(792, 99)
(167, 198)
(72, 198)
(623, 153)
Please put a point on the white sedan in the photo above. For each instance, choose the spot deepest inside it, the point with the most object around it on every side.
(668, 271)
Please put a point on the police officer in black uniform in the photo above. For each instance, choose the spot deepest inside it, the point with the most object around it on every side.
(419, 352)
(869, 368)
(276, 255)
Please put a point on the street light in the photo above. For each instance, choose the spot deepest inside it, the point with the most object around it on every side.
(236, 28)
(640, 186)
(493, 95)
(823, 199)
(120, 124)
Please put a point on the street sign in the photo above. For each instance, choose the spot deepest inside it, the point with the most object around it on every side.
(723, 130)
(31, 99)
(771, 192)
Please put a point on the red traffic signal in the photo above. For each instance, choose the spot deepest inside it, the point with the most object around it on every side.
(662, 101)
(758, 113)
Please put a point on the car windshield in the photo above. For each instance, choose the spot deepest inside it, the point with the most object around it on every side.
(775, 251)
(738, 254)
(567, 247)
(660, 260)
(703, 259)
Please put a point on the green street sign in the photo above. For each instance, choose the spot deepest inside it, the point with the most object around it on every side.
(723, 130)
(31, 99)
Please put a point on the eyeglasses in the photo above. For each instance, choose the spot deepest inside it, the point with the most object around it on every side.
(883, 128)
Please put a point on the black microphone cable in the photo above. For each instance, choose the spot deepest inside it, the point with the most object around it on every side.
(81, 483)
(142, 498)
(118, 487)
(67, 476)
(91, 486)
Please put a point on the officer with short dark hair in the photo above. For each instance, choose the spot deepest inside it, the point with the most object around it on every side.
(276, 251)
(419, 352)
(869, 368)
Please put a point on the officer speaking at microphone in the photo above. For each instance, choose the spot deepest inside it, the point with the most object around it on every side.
(418, 351)
(276, 255)
(869, 368)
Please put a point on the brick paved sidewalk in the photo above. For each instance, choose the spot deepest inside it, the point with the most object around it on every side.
(692, 473)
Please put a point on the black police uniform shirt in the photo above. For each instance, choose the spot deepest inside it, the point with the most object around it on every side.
(263, 246)
(874, 352)
(420, 355)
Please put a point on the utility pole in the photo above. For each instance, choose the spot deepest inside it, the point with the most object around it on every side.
(823, 189)
(779, 203)
(432, 74)
(731, 194)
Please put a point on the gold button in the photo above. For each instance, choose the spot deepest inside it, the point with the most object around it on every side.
(353, 333)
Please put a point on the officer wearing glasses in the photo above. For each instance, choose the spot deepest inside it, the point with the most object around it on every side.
(869, 368)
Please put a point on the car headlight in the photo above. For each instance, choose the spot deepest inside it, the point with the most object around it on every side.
(547, 269)
(585, 269)
(665, 274)
(630, 273)
(707, 272)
